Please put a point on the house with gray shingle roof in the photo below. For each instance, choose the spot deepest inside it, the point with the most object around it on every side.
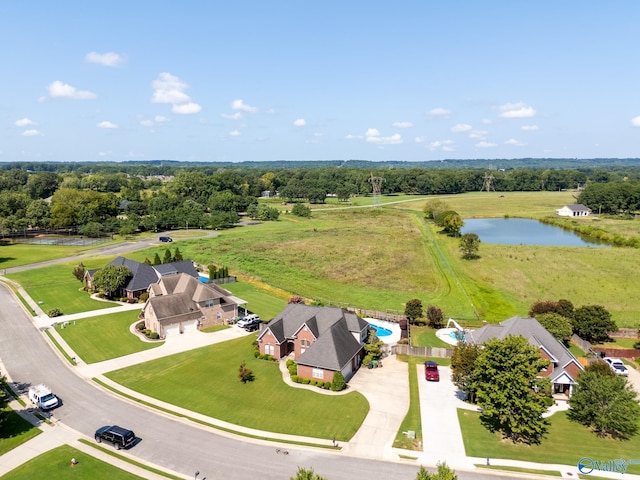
(563, 369)
(143, 275)
(322, 340)
(179, 303)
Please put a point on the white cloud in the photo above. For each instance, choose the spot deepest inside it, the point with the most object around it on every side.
(168, 88)
(445, 145)
(353, 137)
(240, 105)
(478, 134)
(461, 127)
(186, 108)
(107, 124)
(235, 116)
(485, 144)
(299, 122)
(104, 154)
(487, 121)
(531, 128)
(161, 119)
(147, 123)
(439, 112)
(31, 133)
(635, 121)
(420, 139)
(109, 59)
(402, 124)
(373, 136)
(517, 110)
(514, 142)
(59, 89)
(234, 133)
(24, 122)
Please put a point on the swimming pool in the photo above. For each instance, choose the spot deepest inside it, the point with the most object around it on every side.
(204, 279)
(380, 331)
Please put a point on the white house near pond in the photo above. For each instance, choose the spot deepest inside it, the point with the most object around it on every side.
(574, 210)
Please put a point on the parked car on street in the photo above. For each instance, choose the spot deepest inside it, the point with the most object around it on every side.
(41, 397)
(431, 372)
(617, 366)
(166, 239)
(117, 436)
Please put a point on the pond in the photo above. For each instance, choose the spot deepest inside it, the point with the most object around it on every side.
(523, 231)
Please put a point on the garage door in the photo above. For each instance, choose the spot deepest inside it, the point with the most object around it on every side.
(190, 326)
(171, 330)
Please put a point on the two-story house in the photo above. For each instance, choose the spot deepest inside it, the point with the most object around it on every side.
(322, 340)
(563, 369)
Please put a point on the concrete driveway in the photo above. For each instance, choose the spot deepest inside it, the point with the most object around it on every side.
(441, 434)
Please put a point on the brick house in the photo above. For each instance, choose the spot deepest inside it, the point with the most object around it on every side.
(322, 340)
(179, 303)
(143, 275)
(563, 369)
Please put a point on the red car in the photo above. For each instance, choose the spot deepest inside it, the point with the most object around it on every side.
(431, 371)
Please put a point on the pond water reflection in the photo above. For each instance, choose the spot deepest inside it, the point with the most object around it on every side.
(523, 231)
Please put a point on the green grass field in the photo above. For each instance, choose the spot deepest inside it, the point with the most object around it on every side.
(55, 287)
(56, 463)
(205, 381)
(15, 430)
(95, 339)
(565, 443)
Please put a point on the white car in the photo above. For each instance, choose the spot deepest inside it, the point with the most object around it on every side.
(248, 320)
(617, 366)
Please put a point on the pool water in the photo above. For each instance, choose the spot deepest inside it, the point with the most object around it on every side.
(380, 331)
(456, 335)
(204, 279)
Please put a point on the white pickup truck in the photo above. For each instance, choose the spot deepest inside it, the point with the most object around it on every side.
(41, 397)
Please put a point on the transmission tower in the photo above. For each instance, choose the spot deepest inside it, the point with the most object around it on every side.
(376, 184)
(488, 183)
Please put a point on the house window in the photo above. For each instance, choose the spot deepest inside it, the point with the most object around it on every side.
(317, 373)
(208, 303)
(269, 349)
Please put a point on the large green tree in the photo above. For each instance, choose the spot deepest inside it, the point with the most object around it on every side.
(508, 390)
(469, 245)
(556, 325)
(593, 323)
(413, 309)
(111, 278)
(463, 364)
(605, 403)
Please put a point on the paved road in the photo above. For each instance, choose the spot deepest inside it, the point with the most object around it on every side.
(174, 444)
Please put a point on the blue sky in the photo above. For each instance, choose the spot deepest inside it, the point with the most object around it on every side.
(304, 80)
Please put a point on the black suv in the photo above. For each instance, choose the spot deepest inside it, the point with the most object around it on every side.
(117, 436)
(166, 239)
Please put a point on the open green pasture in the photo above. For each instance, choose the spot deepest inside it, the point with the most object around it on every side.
(95, 339)
(566, 443)
(56, 463)
(55, 286)
(13, 255)
(205, 381)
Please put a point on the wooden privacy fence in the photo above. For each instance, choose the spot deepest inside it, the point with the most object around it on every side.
(422, 351)
(389, 317)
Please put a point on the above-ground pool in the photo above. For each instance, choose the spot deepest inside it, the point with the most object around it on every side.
(381, 331)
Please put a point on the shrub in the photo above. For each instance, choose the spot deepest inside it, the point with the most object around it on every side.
(293, 368)
(256, 353)
(306, 381)
(289, 362)
(338, 383)
(55, 312)
(143, 297)
(140, 326)
(637, 345)
(147, 332)
(294, 378)
(245, 374)
(403, 341)
(154, 336)
(327, 385)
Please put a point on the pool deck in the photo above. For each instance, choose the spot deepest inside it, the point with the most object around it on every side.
(394, 327)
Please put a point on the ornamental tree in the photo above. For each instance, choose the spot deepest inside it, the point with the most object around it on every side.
(605, 403)
(463, 363)
(556, 325)
(111, 278)
(507, 389)
(593, 323)
(413, 309)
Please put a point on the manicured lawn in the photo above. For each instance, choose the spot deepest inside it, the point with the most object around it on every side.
(426, 337)
(95, 339)
(412, 420)
(56, 463)
(15, 430)
(565, 443)
(56, 287)
(576, 351)
(20, 254)
(205, 381)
